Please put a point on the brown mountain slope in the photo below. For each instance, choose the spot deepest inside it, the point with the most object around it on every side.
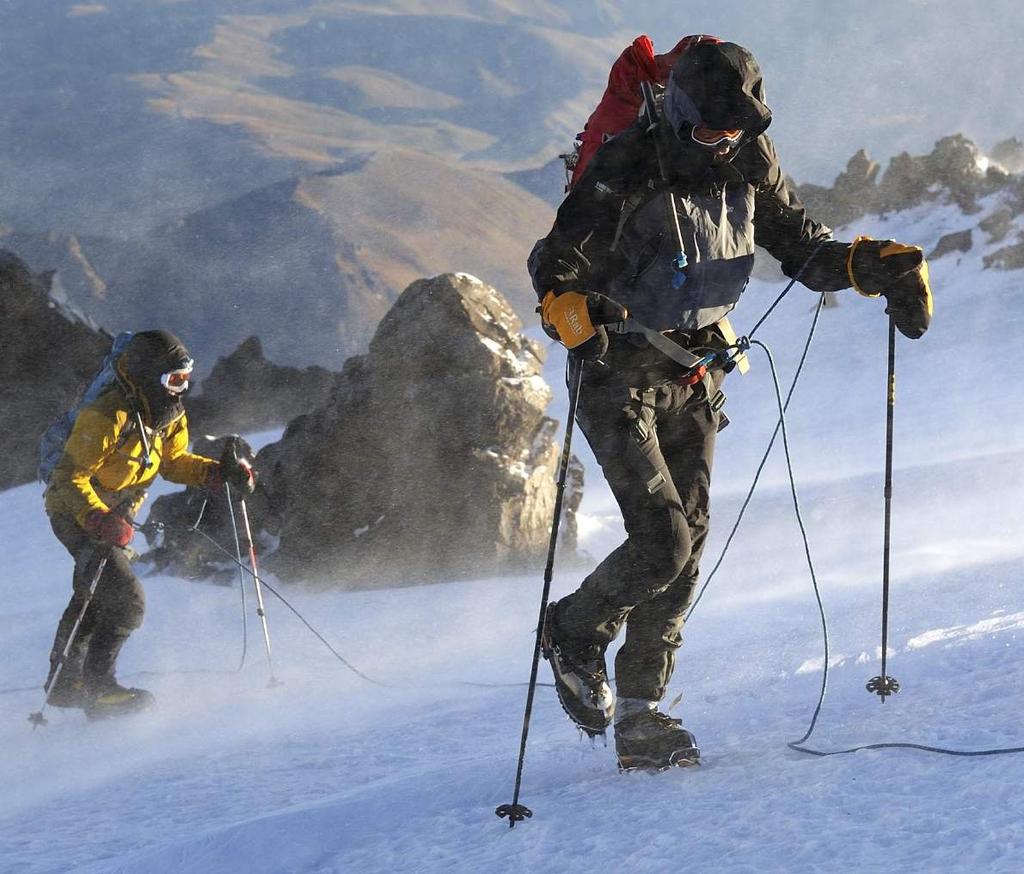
(322, 81)
(409, 215)
(310, 265)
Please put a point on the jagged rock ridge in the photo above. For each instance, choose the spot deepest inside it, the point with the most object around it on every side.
(954, 172)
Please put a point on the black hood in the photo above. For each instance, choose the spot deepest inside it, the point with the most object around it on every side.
(718, 86)
(148, 356)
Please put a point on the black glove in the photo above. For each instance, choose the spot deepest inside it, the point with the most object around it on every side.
(236, 470)
(577, 320)
(900, 273)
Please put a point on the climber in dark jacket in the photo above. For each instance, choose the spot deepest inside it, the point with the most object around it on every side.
(704, 179)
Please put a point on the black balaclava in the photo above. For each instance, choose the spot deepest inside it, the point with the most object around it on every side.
(718, 86)
(149, 355)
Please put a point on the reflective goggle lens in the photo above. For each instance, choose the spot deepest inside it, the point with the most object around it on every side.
(707, 136)
(176, 381)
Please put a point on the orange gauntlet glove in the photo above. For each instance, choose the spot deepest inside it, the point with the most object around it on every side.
(578, 319)
(900, 273)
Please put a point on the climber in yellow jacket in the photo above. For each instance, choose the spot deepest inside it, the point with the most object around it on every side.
(133, 431)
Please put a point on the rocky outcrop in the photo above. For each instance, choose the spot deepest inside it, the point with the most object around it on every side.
(50, 353)
(175, 545)
(1009, 154)
(433, 458)
(955, 172)
(958, 241)
(956, 166)
(1007, 258)
(997, 225)
(853, 194)
(245, 393)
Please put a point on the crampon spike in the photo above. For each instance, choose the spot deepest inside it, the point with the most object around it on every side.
(592, 736)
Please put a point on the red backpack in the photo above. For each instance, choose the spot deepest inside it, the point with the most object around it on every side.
(620, 104)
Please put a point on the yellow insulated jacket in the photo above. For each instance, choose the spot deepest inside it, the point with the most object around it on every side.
(104, 468)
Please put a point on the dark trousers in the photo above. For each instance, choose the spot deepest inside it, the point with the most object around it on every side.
(116, 608)
(655, 444)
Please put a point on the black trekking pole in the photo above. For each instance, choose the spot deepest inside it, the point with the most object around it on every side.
(37, 718)
(884, 685)
(515, 811)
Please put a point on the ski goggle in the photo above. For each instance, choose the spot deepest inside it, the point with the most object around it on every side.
(176, 381)
(712, 138)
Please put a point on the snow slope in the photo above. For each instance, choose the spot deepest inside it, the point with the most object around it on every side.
(328, 773)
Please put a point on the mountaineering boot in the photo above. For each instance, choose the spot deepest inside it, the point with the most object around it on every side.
(112, 699)
(650, 740)
(581, 679)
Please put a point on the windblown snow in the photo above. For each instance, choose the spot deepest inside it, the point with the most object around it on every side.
(330, 773)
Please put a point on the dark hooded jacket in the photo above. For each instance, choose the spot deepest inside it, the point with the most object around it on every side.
(614, 232)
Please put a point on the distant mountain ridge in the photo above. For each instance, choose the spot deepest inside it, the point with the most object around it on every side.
(309, 264)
